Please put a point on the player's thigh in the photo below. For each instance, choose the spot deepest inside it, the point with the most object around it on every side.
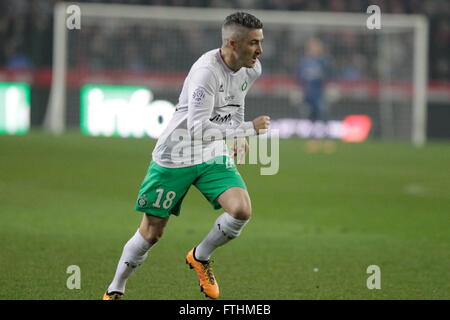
(163, 190)
(236, 201)
(216, 177)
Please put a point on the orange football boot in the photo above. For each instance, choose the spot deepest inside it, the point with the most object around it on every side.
(207, 281)
(113, 296)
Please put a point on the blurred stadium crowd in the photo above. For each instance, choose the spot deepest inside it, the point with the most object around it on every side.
(26, 36)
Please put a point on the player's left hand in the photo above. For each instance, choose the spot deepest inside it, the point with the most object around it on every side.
(240, 148)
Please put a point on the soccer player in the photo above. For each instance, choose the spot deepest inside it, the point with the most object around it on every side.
(192, 151)
(313, 71)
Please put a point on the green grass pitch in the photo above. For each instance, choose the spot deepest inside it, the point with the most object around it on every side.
(317, 224)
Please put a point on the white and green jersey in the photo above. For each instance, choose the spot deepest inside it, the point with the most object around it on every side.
(210, 108)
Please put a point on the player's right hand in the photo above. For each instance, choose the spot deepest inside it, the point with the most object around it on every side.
(261, 124)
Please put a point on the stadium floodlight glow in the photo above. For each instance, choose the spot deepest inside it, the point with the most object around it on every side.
(14, 108)
(124, 111)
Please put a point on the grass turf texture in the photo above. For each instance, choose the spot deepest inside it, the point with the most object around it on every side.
(68, 201)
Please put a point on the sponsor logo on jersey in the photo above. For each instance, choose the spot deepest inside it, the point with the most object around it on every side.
(219, 118)
(244, 86)
(221, 88)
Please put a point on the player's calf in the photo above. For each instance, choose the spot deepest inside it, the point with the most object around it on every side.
(135, 252)
(225, 228)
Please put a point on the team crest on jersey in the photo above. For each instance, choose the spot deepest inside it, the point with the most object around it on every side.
(221, 88)
(198, 95)
(142, 201)
(244, 86)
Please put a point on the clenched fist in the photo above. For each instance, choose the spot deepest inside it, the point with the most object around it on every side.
(261, 124)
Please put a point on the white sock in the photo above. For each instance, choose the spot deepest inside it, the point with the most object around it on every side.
(134, 253)
(225, 229)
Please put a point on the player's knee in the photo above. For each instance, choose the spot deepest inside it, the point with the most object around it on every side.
(153, 236)
(152, 228)
(242, 212)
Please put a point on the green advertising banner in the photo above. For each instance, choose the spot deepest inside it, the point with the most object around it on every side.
(14, 108)
(124, 111)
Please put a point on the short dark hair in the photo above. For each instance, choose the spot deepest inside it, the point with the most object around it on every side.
(244, 19)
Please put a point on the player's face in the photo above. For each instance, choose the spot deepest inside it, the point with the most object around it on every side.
(250, 47)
